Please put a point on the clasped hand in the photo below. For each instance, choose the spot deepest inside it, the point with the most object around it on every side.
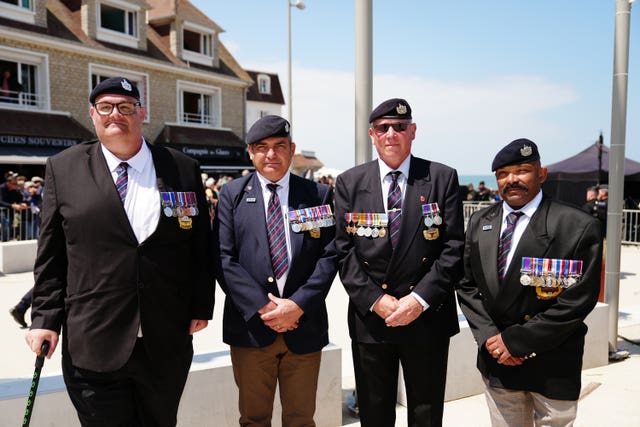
(498, 350)
(280, 314)
(398, 312)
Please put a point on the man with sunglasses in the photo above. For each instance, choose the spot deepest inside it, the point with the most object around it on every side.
(123, 266)
(399, 238)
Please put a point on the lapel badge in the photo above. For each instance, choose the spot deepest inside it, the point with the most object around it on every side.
(251, 199)
(422, 199)
(526, 151)
(315, 233)
(487, 227)
(185, 222)
(431, 234)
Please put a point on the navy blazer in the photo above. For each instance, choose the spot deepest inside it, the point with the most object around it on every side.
(370, 268)
(93, 278)
(550, 333)
(246, 275)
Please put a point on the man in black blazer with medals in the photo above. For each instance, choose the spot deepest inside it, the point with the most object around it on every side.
(399, 237)
(127, 284)
(532, 274)
(275, 235)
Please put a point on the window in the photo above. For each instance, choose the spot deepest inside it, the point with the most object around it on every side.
(18, 10)
(23, 79)
(197, 42)
(264, 84)
(115, 19)
(199, 104)
(117, 22)
(99, 73)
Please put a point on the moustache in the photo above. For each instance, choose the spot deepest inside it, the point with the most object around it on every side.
(514, 185)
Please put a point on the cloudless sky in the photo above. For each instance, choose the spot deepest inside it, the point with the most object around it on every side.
(477, 74)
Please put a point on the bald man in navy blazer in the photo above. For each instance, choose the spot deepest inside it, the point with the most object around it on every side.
(275, 318)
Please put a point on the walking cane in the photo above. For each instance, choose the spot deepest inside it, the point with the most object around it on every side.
(34, 384)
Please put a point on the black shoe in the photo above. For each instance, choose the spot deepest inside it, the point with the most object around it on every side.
(18, 317)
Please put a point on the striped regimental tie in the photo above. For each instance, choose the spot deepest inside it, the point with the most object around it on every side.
(505, 242)
(394, 208)
(276, 234)
(122, 180)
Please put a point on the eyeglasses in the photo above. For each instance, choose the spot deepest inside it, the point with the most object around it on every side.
(384, 127)
(124, 108)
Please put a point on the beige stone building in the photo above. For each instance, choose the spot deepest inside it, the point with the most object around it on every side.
(52, 52)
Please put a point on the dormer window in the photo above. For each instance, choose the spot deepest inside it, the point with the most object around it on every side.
(18, 10)
(117, 23)
(197, 44)
(264, 84)
(115, 19)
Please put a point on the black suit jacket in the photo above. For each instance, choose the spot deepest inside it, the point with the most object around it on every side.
(246, 275)
(549, 332)
(93, 277)
(369, 267)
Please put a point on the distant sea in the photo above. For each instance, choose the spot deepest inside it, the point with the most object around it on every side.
(489, 180)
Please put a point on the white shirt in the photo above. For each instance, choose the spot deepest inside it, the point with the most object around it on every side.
(283, 194)
(528, 210)
(142, 203)
(385, 179)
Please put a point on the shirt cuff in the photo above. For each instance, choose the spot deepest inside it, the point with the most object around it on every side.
(422, 302)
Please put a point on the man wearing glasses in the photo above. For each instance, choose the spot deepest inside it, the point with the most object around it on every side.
(123, 263)
(399, 237)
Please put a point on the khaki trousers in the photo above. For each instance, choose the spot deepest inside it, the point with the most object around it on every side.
(258, 370)
(517, 408)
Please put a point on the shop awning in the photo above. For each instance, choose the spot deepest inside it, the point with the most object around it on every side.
(30, 137)
(217, 150)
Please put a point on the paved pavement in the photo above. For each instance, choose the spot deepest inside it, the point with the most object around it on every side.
(610, 396)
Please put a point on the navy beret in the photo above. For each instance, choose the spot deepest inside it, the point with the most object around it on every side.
(115, 86)
(516, 152)
(266, 127)
(394, 108)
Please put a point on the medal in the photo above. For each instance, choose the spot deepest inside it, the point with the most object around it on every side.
(382, 232)
(431, 233)
(375, 233)
(166, 204)
(437, 220)
(428, 221)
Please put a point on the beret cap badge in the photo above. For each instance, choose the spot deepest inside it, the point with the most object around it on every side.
(401, 109)
(526, 151)
(126, 85)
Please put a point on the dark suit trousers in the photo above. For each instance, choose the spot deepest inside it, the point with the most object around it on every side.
(134, 395)
(424, 369)
(258, 370)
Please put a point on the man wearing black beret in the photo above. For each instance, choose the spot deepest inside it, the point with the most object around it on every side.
(275, 245)
(399, 239)
(531, 275)
(123, 267)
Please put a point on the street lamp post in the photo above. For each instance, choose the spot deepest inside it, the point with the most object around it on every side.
(300, 5)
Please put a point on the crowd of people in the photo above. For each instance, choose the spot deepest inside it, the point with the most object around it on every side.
(20, 202)
(132, 280)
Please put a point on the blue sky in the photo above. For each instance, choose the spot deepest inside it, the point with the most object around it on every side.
(477, 74)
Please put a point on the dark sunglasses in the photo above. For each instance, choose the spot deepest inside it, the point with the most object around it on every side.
(384, 127)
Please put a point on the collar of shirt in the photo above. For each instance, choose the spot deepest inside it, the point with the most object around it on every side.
(137, 162)
(528, 210)
(385, 179)
(282, 190)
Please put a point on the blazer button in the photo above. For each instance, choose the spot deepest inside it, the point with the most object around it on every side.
(366, 263)
(411, 287)
(527, 317)
(424, 260)
(270, 279)
(384, 286)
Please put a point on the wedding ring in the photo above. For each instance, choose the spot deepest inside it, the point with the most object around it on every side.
(497, 352)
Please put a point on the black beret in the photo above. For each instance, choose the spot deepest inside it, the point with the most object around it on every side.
(266, 127)
(394, 108)
(115, 86)
(516, 152)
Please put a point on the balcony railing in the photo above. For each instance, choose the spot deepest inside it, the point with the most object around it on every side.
(22, 99)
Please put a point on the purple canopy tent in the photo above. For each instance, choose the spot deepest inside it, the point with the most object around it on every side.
(569, 179)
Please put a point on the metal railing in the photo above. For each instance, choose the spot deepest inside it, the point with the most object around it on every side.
(630, 221)
(19, 225)
(22, 99)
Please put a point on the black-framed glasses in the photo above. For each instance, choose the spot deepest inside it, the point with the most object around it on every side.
(124, 108)
(382, 128)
